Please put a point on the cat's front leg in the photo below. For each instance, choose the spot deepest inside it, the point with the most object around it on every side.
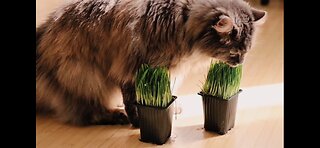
(129, 100)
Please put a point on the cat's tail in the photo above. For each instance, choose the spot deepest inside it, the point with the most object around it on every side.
(40, 31)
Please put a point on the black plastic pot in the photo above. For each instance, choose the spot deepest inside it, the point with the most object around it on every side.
(155, 123)
(264, 2)
(219, 114)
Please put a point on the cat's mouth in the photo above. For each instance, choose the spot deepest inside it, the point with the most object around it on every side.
(233, 63)
(230, 63)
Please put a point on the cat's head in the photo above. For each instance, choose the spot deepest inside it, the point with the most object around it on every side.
(223, 29)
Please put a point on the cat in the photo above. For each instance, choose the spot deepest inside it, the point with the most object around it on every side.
(88, 49)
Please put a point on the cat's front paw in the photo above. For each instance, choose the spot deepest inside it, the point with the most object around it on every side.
(134, 121)
(120, 118)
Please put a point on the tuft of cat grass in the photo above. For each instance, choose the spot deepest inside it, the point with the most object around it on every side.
(222, 80)
(153, 86)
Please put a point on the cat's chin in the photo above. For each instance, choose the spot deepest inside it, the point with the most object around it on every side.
(236, 65)
(233, 64)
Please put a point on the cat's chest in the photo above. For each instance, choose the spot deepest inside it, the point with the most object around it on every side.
(192, 62)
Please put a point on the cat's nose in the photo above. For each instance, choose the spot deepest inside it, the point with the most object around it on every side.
(237, 58)
(234, 52)
(240, 59)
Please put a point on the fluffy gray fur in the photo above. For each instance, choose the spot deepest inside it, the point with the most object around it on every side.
(89, 48)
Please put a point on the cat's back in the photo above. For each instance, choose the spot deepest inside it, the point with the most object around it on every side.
(84, 13)
(79, 19)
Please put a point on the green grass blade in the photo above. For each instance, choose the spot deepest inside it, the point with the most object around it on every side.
(222, 80)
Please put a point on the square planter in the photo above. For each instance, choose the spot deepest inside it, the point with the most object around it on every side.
(219, 114)
(155, 123)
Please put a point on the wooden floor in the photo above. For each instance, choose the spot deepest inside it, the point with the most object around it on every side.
(259, 124)
(261, 128)
(259, 119)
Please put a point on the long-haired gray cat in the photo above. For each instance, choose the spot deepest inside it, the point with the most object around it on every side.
(89, 48)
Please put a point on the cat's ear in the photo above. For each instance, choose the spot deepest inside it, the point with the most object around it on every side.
(259, 16)
(224, 25)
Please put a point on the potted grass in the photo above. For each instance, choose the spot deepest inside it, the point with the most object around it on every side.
(154, 102)
(220, 96)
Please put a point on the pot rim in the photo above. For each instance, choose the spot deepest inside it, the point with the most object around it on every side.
(173, 99)
(220, 98)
